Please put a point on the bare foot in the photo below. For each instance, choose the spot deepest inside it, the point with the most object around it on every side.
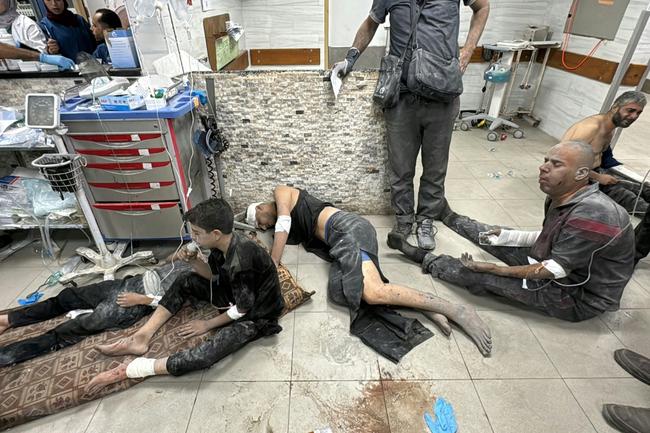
(440, 320)
(133, 345)
(102, 380)
(4, 323)
(473, 326)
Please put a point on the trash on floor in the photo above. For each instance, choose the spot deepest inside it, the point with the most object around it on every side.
(445, 421)
(31, 299)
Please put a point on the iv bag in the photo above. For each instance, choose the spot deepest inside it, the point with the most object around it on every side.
(180, 10)
(145, 8)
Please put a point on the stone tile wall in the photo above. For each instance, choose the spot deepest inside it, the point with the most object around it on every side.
(287, 128)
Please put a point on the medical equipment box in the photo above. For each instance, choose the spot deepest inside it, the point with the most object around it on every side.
(121, 102)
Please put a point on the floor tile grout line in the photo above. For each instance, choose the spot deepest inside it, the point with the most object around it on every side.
(469, 373)
(196, 397)
(383, 394)
(612, 331)
(555, 367)
(566, 385)
(293, 345)
(94, 413)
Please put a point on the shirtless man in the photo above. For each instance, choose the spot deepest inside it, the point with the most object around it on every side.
(356, 281)
(598, 130)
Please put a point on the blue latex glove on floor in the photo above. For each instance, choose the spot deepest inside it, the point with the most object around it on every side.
(445, 421)
(32, 299)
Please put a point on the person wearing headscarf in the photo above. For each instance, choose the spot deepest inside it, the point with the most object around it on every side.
(69, 34)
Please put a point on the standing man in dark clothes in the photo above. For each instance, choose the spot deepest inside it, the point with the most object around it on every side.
(574, 269)
(417, 123)
(239, 277)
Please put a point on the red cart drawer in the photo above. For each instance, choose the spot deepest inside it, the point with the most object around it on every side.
(133, 191)
(139, 220)
(128, 172)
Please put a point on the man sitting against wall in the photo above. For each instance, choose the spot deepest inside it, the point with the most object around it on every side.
(574, 269)
(598, 131)
(349, 242)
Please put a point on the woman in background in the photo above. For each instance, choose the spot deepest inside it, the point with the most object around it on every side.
(68, 32)
(104, 20)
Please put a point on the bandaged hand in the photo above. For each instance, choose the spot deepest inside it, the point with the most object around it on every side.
(468, 261)
(194, 328)
(484, 237)
(130, 299)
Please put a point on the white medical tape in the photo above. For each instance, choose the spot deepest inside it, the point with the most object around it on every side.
(140, 367)
(283, 224)
(555, 268)
(234, 314)
(516, 238)
(154, 300)
(250, 214)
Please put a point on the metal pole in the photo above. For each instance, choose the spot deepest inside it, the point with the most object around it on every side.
(87, 211)
(539, 80)
(220, 179)
(625, 60)
(209, 87)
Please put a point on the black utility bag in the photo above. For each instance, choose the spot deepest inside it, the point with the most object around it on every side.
(431, 76)
(386, 93)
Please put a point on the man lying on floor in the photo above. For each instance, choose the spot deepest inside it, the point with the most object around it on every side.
(239, 278)
(574, 269)
(115, 304)
(355, 280)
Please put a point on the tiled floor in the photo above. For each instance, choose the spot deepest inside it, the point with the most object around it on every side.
(544, 375)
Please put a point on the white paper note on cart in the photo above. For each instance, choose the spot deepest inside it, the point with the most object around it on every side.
(336, 85)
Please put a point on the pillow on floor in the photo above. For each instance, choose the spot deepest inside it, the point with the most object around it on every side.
(294, 295)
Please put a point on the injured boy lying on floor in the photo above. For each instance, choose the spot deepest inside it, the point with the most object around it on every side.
(349, 242)
(574, 269)
(239, 278)
(105, 305)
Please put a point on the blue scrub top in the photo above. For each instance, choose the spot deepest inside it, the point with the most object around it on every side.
(71, 40)
(102, 53)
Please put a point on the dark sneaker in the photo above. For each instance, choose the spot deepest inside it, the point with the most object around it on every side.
(400, 230)
(635, 364)
(426, 234)
(627, 419)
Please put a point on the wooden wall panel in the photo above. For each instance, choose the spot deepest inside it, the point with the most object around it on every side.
(594, 68)
(285, 56)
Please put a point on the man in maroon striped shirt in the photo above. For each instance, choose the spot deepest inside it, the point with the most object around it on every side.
(575, 268)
